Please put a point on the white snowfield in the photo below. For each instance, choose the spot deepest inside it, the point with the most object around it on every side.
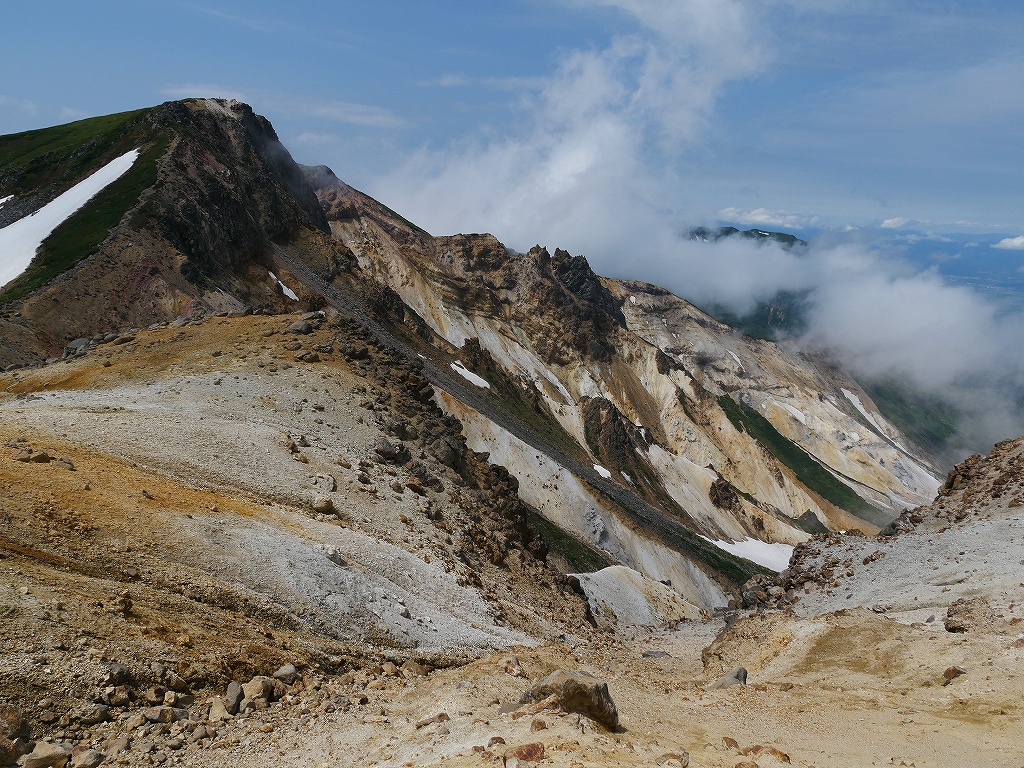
(853, 398)
(20, 241)
(774, 556)
(284, 288)
(3, 200)
(602, 472)
(469, 376)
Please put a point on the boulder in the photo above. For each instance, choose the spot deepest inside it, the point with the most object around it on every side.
(46, 755)
(287, 674)
(576, 692)
(233, 697)
(88, 758)
(260, 687)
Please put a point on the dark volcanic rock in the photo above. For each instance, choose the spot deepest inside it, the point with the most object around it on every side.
(576, 692)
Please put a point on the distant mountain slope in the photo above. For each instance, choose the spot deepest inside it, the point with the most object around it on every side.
(634, 423)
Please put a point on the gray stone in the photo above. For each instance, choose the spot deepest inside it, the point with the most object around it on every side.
(300, 326)
(233, 697)
(89, 758)
(91, 714)
(165, 714)
(287, 674)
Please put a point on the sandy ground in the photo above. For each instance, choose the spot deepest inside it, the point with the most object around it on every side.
(185, 536)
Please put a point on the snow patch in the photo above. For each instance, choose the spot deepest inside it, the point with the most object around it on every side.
(628, 478)
(469, 376)
(632, 299)
(606, 474)
(5, 199)
(852, 397)
(20, 241)
(287, 291)
(736, 358)
(796, 413)
(775, 556)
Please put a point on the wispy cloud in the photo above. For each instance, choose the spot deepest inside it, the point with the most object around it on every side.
(331, 110)
(583, 163)
(22, 105)
(1011, 243)
(203, 91)
(767, 218)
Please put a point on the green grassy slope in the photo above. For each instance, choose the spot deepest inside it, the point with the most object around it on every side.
(807, 469)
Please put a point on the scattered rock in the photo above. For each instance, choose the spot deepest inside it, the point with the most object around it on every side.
(576, 692)
(219, 710)
(952, 673)
(89, 758)
(300, 326)
(323, 505)
(969, 613)
(233, 697)
(530, 753)
(440, 717)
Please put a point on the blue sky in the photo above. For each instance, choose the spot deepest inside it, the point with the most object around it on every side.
(784, 113)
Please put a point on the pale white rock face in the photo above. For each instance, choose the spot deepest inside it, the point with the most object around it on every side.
(621, 597)
(559, 495)
(20, 240)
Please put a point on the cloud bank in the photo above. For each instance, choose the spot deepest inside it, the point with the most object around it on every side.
(590, 163)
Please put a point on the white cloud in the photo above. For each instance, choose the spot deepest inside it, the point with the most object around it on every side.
(583, 164)
(1011, 243)
(895, 223)
(203, 91)
(767, 218)
(26, 106)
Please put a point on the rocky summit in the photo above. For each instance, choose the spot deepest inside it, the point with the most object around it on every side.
(288, 480)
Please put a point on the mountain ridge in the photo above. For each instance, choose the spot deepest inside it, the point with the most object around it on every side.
(232, 221)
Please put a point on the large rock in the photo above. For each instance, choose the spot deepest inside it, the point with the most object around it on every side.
(577, 692)
(14, 733)
(46, 755)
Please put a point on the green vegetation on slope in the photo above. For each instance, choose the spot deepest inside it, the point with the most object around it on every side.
(81, 234)
(784, 314)
(928, 420)
(580, 556)
(807, 469)
(64, 154)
